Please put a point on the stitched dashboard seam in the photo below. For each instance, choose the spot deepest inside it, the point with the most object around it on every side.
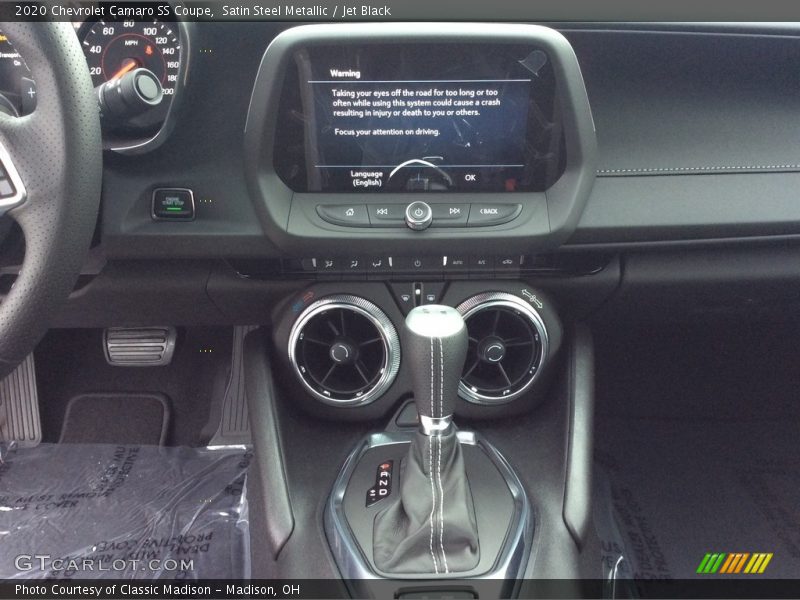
(696, 169)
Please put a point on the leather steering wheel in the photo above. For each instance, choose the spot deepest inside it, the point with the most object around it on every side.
(53, 159)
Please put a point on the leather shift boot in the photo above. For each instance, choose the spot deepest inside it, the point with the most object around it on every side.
(430, 526)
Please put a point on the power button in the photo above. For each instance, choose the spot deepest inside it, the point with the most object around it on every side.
(173, 204)
(419, 215)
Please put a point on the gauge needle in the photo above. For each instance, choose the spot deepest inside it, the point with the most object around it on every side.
(129, 64)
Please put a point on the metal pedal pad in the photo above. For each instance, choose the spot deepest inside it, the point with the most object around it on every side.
(139, 346)
(19, 407)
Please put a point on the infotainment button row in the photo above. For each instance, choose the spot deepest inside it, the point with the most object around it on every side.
(439, 214)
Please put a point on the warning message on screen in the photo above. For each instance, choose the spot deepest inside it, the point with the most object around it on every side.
(419, 109)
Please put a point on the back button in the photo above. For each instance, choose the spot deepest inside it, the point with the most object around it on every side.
(484, 215)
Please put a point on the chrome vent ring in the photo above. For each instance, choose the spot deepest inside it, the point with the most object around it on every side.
(508, 344)
(344, 350)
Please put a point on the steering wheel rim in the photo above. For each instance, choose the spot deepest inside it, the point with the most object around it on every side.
(56, 155)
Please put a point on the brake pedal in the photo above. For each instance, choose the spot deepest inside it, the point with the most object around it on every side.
(19, 407)
(139, 346)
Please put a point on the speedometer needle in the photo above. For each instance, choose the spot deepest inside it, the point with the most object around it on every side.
(129, 64)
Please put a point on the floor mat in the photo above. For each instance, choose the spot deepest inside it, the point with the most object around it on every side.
(132, 512)
(116, 418)
(669, 492)
(76, 364)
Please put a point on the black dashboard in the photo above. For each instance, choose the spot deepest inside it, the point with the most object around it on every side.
(694, 132)
(627, 136)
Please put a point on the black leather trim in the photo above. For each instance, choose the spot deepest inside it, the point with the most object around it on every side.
(430, 526)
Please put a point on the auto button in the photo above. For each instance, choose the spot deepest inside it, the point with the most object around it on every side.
(484, 214)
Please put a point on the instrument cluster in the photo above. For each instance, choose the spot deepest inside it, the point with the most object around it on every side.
(138, 69)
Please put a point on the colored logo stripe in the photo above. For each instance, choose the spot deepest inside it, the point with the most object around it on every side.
(734, 563)
(758, 563)
(727, 564)
(710, 563)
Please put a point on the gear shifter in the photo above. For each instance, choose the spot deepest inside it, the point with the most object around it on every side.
(430, 526)
(435, 337)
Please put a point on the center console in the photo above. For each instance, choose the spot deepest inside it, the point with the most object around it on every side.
(457, 509)
(416, 178)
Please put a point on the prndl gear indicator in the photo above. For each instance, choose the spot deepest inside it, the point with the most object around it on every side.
(383, 483)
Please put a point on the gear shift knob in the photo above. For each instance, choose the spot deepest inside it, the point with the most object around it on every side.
(435, 345)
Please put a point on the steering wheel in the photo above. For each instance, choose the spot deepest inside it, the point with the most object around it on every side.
(52, 160)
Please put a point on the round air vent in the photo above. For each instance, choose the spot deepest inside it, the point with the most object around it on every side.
(345, 350)
(507, 345)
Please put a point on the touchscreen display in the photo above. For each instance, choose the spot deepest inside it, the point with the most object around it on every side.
(418, 118)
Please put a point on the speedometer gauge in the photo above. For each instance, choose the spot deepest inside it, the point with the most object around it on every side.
(115, 48)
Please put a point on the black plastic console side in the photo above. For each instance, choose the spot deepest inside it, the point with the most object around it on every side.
(267, 442)
(580, 440)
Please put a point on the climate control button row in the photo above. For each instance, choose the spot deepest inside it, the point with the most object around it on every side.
(420, 215)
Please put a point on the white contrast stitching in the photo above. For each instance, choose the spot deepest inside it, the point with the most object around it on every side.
(439, 463)
(430, 473)
(433, 501)
(695, 169)
(433, 414)
(441, 506)
(441, 379)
